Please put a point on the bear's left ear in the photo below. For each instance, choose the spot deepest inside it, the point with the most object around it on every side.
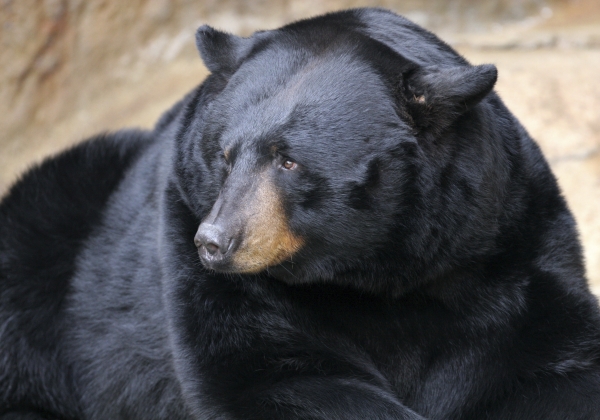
(220, 51)
(437, 96)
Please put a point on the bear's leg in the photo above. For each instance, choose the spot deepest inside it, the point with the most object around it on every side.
(27, 415)
(318, 398)
(574, 396)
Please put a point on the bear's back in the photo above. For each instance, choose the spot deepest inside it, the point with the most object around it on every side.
(45, 219)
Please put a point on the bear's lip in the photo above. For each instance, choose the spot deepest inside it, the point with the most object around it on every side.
(226, 264)
(215, 264)
(216, 261)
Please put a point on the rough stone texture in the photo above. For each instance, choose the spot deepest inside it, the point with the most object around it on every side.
(72, 68)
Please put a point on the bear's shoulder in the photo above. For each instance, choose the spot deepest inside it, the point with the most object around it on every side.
(47, 214)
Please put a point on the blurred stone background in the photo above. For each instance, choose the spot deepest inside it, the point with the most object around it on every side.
(72, 68)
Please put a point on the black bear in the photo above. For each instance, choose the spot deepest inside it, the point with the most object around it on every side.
(342, 222)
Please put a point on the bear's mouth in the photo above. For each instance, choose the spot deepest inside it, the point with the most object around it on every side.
(252, 254)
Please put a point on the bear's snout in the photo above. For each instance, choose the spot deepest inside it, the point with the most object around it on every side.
(247, 230)
(214, 244)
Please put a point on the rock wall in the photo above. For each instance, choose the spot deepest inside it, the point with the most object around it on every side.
(59, 55)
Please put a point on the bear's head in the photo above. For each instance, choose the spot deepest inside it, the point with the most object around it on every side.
(304, 154)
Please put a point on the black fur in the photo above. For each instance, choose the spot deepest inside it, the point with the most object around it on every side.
(440, 275)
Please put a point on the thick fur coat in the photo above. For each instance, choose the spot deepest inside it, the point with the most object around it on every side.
(342, 222)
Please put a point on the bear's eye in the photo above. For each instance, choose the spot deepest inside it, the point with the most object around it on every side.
(225, 157)
(288, 164)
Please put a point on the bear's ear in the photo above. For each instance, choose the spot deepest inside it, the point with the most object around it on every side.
(220, 51)
(437, 96)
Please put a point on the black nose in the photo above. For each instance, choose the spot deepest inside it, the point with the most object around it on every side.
(212, 242)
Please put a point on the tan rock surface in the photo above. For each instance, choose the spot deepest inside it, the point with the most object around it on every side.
(72, 68)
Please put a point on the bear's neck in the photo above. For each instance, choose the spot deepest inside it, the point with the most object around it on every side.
(497, 218)
(489, 212)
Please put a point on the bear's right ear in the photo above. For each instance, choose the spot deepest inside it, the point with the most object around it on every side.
(220, 51)
(436, 96)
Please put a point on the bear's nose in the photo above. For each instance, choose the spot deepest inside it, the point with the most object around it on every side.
(212, 241)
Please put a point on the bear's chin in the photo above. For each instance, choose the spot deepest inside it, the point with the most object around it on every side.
(285, 272)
